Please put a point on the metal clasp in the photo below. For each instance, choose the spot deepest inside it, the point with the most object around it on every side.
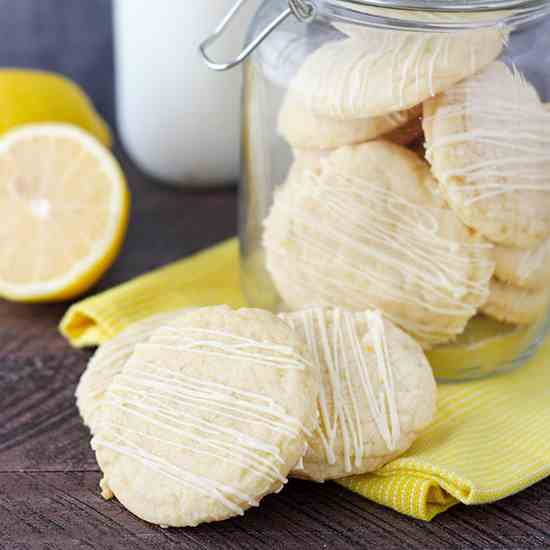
(303, 10)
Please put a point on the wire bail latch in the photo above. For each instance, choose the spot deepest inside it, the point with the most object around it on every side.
(303, 10)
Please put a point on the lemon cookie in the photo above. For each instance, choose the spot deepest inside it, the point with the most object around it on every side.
(108, 361)
(310, 160)
(351, 78)
(409, 135)
(518, 306)
(304, 129)
(365, 232)
(524, 267)
(207, 417)
(377, 391)
(488, 141)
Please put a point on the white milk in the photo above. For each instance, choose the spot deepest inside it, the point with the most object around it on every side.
(179, 120)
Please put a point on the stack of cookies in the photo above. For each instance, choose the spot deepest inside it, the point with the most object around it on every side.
(197, 415)
(379, 246)
(429, 234)
(488, 141)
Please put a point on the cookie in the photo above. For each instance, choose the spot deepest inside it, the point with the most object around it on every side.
(524, 267)
(366, 232)
(308, 160)
(351, 78)
(208, 417)
(488, 140)
(518, 306)
(108, 361)
(304, 129)
(377, 391)
(410, 134)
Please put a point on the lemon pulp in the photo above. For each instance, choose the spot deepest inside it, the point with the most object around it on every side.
(64, 205)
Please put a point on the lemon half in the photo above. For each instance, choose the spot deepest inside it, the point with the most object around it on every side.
(64, 207)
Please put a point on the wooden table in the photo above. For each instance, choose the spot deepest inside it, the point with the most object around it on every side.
(48, 476)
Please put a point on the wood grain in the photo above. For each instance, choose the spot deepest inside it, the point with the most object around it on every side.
(49, 496)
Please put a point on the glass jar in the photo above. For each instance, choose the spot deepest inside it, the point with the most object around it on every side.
(399, 159)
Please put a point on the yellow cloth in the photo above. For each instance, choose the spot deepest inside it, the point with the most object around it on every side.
(490, 438)
(208, 278)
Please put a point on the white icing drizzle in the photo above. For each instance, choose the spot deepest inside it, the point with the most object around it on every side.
(418, 59)
(170, 408)
(109, 361)
(196, 391)
(122, 345)
(384, 234)
(261, 353)
(112, 353)
(508, 128)
(533, 260)
(357, 374)
(397, 119)
(182, 477)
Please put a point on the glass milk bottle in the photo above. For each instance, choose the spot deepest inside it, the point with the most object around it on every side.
(178, 120)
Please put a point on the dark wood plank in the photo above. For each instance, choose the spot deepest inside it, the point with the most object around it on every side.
(62, 508)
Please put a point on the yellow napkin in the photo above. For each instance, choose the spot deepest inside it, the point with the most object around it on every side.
(207, 278)
(490, 438)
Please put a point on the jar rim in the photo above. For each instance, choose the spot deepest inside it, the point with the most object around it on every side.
(433, 15)
(443, 6)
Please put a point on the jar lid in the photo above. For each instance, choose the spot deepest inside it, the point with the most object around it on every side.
(399, 15)
(440, 6)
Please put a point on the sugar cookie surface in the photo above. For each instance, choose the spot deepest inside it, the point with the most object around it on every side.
(108, 361)
(488, 141)
(366, 231)
(518, 306)
(307, 160)
(377, 391)
(304, 129)
(524, 267)
(208, 417)
(389, 71)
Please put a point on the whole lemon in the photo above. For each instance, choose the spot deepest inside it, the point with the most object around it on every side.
(31, 96)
